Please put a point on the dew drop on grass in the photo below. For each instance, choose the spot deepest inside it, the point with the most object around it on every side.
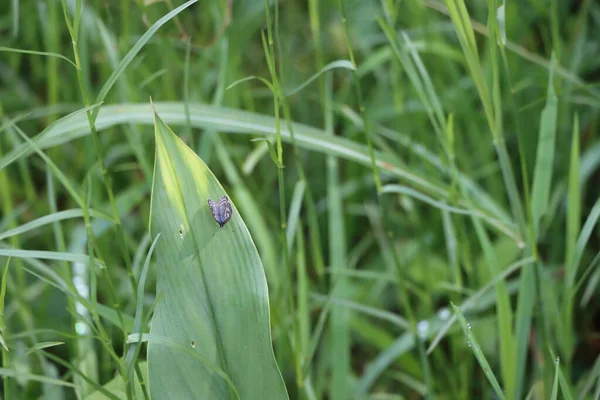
(81, 328)
(557, 360)
(423, 329)
(469, 326)
(444, 314)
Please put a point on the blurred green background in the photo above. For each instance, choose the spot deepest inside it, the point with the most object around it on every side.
(421, 155)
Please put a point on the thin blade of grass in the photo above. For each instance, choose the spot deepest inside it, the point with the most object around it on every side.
(50, 219)
(48, 255)
(134, 51)
(38, 378)
(544, 160)
(339, 330)
(46, 134)
(583, 239)
(294, 213)
(485, 366)
(472, 301)
(37, 53)
(2, 295)
(554, 394)
(523, 322)
(504, 312)
(133, 351)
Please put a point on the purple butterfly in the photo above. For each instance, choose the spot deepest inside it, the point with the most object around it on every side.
(221, 211)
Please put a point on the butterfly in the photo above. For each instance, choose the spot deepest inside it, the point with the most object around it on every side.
(221, 211)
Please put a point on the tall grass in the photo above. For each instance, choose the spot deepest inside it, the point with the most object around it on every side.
(419, 178)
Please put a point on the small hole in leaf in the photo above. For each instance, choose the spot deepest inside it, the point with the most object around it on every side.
(193, 343)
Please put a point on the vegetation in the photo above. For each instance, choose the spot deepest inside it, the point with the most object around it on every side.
(414, 188)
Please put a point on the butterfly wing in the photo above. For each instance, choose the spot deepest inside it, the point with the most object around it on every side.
(225, 210)
(221, 211)
(213, 209)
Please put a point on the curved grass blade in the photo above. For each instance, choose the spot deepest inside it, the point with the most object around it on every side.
(475, 299)
(400, 189)
(37, 53)
(49, 255)
(51, 218)
(335, 64)
(213, 286)
(234, 121)
(38, 378)
(45, 135)
(229, 120)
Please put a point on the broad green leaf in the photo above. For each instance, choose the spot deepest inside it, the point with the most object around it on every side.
(213, 288)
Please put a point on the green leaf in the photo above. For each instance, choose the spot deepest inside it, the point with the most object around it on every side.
(544, 159)
(213, 288)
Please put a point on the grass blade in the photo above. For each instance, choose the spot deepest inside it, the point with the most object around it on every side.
(37, 53)
(134, 51)
(544, 160)
(335, 64)
(485, 366)
(554, 394)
